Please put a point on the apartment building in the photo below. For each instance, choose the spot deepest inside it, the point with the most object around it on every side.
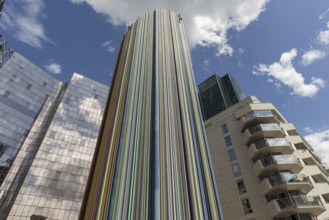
(264, 169)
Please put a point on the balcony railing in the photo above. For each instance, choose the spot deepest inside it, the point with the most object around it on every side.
(270, 145)
(257, 114)
(264, 127)
(285, 181)
(287, 178)
(268, 142)
(279, 159)
(297, 201)
(296, 204)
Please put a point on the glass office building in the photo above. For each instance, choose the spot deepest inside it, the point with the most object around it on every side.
(218, 93)
(48, 134)
(24, 90)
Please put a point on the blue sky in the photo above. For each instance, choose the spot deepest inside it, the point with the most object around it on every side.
(277, 50)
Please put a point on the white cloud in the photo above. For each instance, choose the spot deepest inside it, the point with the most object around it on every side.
(54, 68)
(205, 66)
(206, 22)
(285, 73)
(324, 14)
(22, 18)
(308, 129)
(206, 62)
(323, 36)
(109, 46)
(85, 108)
(312, 55)
(320, 143)
(276, 83)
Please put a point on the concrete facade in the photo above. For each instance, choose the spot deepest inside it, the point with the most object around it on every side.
(264, 169)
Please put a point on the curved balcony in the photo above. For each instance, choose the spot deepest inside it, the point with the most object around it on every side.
(277, 162)
(296, 204)
(260, 131)
(269, 145)
(286, 181)
(257, 117)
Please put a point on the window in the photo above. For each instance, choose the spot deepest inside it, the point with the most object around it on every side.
(13, 77)
(224, 129)
(228, 141)
(241, 187)
(236, 169)
(67, 100)
(231, 154)
(52, 134)
(2, 148)
(57, 175)
(246, 206)
(7, 93)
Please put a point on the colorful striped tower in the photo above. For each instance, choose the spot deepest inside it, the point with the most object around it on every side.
(151, 160)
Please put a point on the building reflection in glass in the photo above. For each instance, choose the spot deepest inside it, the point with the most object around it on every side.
(49, 163)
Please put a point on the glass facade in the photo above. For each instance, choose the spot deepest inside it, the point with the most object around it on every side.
(217, 94)
(211, 97)
(232, 89)
(22, 97)
(55, 183)
(50, 141)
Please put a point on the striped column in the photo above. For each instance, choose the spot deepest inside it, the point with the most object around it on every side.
(151, 159)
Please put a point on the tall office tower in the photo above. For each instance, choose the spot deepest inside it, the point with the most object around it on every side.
(48, 132)
(2, 2)
(218, 93)
(24, 90)
(152, 159)
(270, 170)
(5, 50)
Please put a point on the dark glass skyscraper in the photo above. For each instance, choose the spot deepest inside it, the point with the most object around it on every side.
(152, 160)
(218, 93)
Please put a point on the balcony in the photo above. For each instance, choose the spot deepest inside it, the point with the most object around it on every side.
(295, 204)
(257, 117)
(260, 131)
(277, 162)
(286, 181)
(269, 145)
(321, 178)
